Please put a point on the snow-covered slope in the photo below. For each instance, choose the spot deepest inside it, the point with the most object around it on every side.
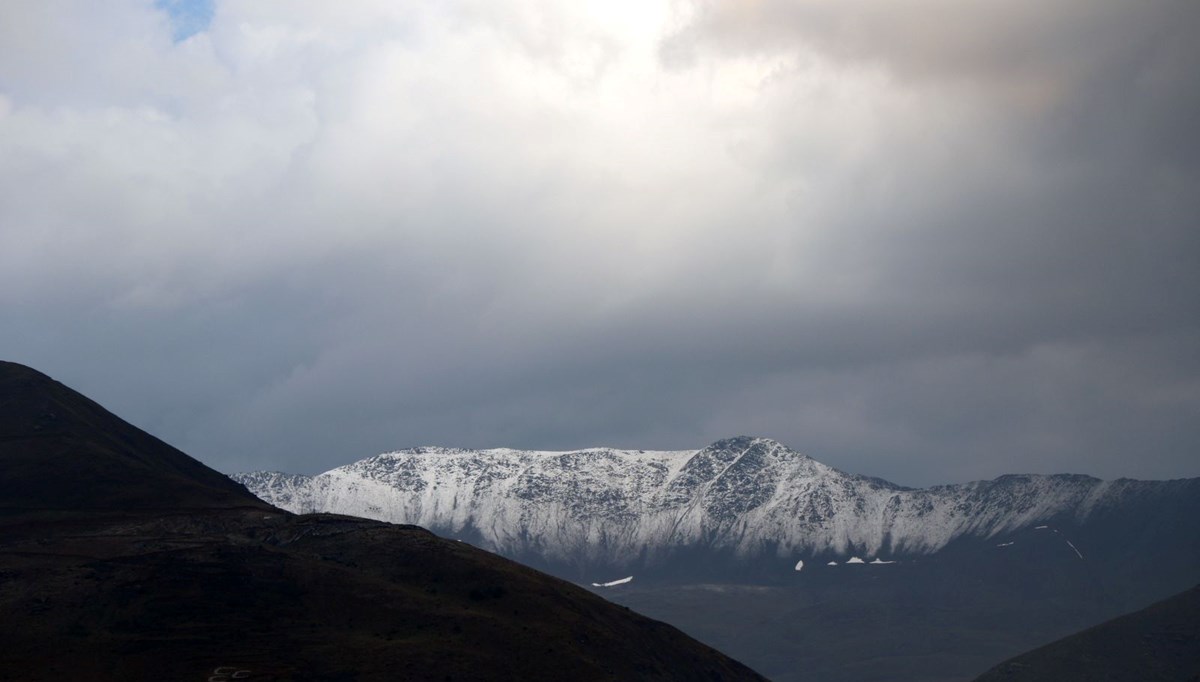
(741, 497)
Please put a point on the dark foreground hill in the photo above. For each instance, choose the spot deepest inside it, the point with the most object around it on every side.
(60, 450)
(1158, 643)
(122, 558)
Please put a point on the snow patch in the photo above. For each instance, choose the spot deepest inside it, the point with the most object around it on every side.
(1076, 550)
(1006, 544)
(800, 564)
(622, 581)
(855, 560)
(880, 562)
(831, 563)
(1040, 527)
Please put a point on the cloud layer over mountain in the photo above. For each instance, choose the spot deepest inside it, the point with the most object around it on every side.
(931, 242)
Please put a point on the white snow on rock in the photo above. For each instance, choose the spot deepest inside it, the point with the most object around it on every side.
(832, 563)
(742, 496)
(1006, 544)
(622, 581)
(879, 562)
(855, 560)
(1076, 550)
(800, 564)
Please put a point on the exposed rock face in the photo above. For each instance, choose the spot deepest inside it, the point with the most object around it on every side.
(742, 498)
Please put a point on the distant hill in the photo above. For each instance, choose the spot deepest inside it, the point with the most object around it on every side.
(123, 559)
(1160, 643)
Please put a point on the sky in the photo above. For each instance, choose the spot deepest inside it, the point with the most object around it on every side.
(932, 241)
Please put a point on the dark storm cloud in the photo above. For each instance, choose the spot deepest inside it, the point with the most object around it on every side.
(931, 243)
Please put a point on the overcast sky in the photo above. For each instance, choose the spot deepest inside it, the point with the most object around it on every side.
(933, 240)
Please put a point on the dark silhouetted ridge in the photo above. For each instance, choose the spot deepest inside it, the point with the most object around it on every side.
(1159, 643)
(60, 450)
(139, 563)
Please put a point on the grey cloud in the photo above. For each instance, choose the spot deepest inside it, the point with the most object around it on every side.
(931, 251)
(1020, 44)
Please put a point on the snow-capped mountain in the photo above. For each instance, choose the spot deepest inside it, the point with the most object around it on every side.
(739, 498)
(788, 563)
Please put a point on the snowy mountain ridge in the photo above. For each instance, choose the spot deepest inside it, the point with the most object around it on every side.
(742, 496)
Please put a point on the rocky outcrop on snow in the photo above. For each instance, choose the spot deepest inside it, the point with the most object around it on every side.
(743, 497)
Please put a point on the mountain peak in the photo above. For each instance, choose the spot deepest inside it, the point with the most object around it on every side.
(61, 450)
(744, 443)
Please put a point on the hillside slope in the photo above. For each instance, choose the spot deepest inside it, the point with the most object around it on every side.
(1158, 643)
(103, 578)
(61, 450)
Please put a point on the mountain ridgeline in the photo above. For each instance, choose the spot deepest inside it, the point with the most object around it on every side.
(749, 507)
(800, 570)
